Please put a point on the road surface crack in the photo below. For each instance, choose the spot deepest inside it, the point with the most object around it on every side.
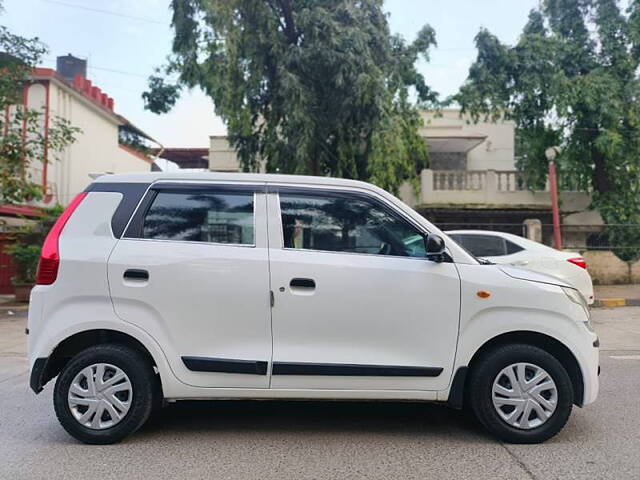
(522, 465)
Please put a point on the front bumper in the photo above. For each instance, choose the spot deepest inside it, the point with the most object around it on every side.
(590, 366)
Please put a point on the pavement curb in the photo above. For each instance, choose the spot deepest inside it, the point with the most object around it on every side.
(4, 308)
(617, 302)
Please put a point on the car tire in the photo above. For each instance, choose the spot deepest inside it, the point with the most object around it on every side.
(115, 371)
(500, 406)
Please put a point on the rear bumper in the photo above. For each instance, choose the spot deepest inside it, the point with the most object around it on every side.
(37, 380)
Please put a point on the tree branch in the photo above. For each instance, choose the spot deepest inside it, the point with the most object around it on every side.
(289, 25)
(276, 12)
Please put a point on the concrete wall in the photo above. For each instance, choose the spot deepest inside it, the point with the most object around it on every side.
(607, 269)
(222, 156)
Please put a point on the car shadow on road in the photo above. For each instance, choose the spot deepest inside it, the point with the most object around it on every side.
(313, 417)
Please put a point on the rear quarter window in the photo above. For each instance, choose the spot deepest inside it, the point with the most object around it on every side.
(131, 195)
(512, 247)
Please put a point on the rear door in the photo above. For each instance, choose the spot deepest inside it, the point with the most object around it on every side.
(192, 270)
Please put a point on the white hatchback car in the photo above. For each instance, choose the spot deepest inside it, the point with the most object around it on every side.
(169, 286)
(507, 249)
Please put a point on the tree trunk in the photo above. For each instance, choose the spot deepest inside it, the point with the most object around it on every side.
(315, 165)
(601, 181)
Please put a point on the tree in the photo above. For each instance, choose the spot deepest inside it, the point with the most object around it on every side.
(571, 80)
(22, 140)
(310, 87)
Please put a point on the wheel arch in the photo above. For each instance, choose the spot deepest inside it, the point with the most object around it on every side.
(65, 350)
(547, 343)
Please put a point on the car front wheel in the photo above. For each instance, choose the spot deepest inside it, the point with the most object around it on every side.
(104, 393)
(520, 393)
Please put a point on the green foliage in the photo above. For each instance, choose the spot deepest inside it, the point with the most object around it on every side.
(309, 87)
(132, 139)
(25, 250)
(22, 141)
(161, 97)
(25, 258)
(571, 80)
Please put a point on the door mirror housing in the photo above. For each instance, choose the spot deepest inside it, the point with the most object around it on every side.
(435, 248)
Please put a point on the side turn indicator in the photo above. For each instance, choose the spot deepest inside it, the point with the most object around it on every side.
(483, 294)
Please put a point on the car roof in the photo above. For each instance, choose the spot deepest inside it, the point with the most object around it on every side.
(521, 241)
(149, 177)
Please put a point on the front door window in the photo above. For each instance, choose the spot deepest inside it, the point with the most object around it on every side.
(349, 224)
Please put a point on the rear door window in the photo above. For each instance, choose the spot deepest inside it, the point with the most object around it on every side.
(482, 245)
(201, 216)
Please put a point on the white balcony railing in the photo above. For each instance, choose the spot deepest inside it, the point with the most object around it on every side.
(491, 188)
(459, 179)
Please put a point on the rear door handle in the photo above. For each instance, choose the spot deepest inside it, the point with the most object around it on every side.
(302, 283)
(136, 274)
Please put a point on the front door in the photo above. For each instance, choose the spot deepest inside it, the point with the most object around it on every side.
(192, 270)
(357, 306)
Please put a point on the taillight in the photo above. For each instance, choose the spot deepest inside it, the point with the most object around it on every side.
(579, 261)
(50, 256)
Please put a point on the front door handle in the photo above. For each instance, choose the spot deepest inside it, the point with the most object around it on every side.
(302, 283)
(136, 274)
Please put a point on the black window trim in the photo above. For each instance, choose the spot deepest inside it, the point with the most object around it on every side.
(335, 192)
(134, 229)
(132, 195)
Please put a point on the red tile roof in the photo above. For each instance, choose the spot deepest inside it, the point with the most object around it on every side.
(81, 85)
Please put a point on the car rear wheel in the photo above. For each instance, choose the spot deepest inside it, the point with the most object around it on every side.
(104, 393)
(520, 393)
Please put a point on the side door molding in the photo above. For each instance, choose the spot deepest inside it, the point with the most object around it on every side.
(353, 370)
(225, 365)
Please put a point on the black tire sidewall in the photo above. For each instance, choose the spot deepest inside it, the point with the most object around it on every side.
(481, 385)
(140, 374)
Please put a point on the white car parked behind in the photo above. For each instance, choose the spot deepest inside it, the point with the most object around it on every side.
(507, 249)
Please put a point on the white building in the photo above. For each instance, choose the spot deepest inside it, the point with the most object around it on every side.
(98, 147)
(66, 93)
(471, 179)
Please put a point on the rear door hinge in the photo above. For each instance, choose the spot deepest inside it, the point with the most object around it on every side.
(271, 298)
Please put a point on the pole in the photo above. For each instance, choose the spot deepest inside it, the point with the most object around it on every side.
(553, 185)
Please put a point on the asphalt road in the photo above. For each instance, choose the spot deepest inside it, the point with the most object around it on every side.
(300, 440)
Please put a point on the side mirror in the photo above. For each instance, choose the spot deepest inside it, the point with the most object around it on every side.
(434, 246)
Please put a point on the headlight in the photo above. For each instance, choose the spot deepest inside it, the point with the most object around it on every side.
(576, 297)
